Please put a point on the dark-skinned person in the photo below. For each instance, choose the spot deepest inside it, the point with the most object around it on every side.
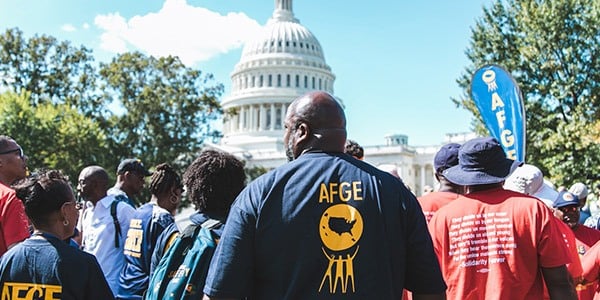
(99, 230)
(212, 182)
(44, 266)
(567, 207)
(445, 158)
(13, 166)
(325, 225)
(494, 243)
(131, 177)
(146, 225)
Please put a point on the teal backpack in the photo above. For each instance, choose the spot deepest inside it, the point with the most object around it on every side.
(182, 270)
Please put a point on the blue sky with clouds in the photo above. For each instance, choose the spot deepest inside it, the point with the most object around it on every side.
(396, 62)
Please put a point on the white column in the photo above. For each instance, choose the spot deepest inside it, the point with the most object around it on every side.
(252, 119)
(283, 111)
(422, 179)
(242, 118)
(272, 116)
(263, 117)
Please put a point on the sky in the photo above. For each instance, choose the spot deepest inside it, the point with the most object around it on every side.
(395, 62)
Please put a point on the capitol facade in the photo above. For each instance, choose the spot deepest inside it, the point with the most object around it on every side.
(285, 61)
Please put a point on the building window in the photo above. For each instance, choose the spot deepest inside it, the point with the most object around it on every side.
(278, 80)
(260, 81)
(305, 81)
(297, 80)
(253, 79)
(270, 80)
(268, 117)
(288, 80)
(313, 83)
(320, 88)
(278, 118)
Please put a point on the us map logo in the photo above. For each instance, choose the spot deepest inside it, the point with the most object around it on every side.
(340, 228)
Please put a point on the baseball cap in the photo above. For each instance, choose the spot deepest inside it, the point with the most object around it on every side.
(446, 157)
(481, 161)
(132, 165)
(579, 189)
(566, 198)
(527, 179)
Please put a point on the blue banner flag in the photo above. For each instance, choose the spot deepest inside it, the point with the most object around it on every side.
(500, 104)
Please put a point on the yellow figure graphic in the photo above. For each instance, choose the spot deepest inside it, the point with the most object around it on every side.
(340, 228)
(328, 274)
(350, 270)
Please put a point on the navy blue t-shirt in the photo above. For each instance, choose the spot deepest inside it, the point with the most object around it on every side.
(324, 226)
(53, 269)
(146, 225)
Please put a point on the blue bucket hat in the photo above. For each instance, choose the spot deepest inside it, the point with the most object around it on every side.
(481, 161)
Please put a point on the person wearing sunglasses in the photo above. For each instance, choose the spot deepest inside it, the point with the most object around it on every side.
(14, 226)
(44, 265)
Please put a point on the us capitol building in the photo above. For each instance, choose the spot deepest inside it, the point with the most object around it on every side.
(286, 61)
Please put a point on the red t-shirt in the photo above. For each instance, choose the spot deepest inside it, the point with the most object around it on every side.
(574, 267)
(14, 226)
(491, 245)
(586, 237)
(590, 263)
(430, 203)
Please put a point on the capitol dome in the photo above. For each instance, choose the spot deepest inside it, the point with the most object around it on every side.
(282, 63)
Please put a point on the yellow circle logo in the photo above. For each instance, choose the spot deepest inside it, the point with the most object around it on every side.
(341, 227)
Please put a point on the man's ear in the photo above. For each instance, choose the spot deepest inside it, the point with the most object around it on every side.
(302, 133)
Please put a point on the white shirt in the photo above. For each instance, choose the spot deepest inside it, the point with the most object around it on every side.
(98, 232)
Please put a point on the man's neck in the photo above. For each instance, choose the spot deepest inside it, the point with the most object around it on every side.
(5, 180)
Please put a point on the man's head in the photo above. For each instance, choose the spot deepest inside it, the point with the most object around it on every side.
(354, 149)
(482, 162)
(529, 179)
(213, 181)
(12, 161)
(568, 204)
(92, 183)
(314, 121)
(166, 187)
(131, 176)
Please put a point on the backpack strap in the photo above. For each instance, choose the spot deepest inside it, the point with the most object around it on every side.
(211, 224)
(113, 213)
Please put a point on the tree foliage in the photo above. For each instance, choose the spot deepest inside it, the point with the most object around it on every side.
(51, 71)
(52, 135)
(165, 106)
(552, 48)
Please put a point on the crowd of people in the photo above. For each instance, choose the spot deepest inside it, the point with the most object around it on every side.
(325, 225)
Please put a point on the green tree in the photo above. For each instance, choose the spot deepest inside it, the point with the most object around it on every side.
(165, 107)
(51, 71)
(552, 48)
(52, 135)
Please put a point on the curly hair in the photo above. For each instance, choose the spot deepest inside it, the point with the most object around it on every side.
(163, 179)
(43, 193)
(214, 180)
(354, 149)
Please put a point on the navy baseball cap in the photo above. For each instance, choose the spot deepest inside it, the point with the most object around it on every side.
(133, 165)
(565, 198)
(446, 157)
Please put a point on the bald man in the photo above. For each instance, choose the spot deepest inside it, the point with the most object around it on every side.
(97, 227)
(325, 225)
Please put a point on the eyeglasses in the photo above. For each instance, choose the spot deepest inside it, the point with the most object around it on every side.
(20, 150)
(78, 205)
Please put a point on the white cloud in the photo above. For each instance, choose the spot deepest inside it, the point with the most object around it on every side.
(68, 28)
(86, 26)
(193, 33)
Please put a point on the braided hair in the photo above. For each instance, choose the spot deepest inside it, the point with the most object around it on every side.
(163, 179)
(214, 180)
(42, 194)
